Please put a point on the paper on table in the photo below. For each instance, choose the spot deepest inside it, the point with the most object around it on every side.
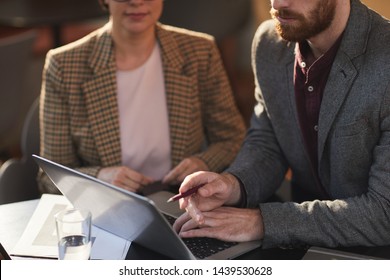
(39, 238)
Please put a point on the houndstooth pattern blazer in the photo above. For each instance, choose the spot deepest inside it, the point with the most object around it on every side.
(79, 120)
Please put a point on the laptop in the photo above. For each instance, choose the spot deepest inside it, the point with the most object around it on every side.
(321, 253)
(135, 217)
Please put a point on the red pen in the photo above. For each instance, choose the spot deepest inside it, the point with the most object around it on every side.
(185, 194)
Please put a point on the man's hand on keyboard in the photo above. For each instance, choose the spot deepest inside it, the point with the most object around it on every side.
(224, 223)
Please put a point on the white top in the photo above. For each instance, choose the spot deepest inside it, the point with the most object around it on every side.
(143, 118)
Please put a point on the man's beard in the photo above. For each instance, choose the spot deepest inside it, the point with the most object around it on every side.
(319, 19)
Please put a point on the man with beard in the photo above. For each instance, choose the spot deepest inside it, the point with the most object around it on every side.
(323, 91)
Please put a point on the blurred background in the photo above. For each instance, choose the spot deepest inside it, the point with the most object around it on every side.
(29, 28)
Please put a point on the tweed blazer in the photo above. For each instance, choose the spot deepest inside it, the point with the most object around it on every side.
(353, 208)
(79, 119)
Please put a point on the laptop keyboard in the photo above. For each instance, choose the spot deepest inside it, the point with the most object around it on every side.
(203, 247)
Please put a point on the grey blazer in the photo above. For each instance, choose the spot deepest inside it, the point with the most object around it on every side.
(353, 141)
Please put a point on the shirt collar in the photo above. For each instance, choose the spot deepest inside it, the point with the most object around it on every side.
(305, 59)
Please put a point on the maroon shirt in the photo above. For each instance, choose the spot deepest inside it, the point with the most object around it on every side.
(310, 77)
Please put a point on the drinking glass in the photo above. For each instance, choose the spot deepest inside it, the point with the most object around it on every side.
(74, 234)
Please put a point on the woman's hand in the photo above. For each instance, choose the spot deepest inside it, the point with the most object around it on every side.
(124, 177)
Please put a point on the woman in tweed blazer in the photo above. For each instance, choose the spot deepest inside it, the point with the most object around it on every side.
(83, 115)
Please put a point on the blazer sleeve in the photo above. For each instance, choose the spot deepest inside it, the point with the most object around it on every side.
(55, 132)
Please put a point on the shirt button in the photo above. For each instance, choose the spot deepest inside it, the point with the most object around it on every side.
(310, 88)
(316, 128)
(303, 64)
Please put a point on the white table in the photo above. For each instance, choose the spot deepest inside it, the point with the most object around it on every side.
(13, 220)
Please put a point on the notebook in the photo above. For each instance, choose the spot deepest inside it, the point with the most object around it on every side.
(135, 217)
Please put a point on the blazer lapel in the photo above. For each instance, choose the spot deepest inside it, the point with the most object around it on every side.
(343, 71)
(101, 101)
(177, 85)
(293, 103)
(339, 83)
